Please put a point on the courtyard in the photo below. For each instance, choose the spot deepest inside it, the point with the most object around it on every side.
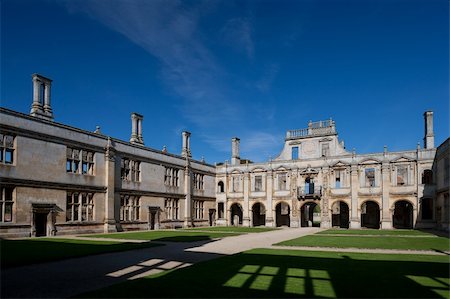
(230, 262)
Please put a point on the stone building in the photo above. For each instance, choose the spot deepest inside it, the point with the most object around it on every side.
(56, 179)
(315, 181)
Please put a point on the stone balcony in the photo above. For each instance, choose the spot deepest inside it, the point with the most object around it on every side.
(319, 128)
(309, 192)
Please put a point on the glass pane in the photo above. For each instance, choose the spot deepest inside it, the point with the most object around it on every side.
(1, 154)
(8, 156)
(8, 212)
(1, 214)
(75, 212)
(85, 167)
(69, 212)
(69, 166)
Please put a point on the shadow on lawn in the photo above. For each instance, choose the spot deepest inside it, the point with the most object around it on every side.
(184, 239)
(260, 274)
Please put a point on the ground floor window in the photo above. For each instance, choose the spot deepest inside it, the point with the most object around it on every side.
(129, 208)
(6, 204)
(198, 209)
(80, 206)
(171, 208)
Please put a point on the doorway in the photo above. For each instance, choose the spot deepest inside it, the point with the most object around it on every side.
(370, 215)
(310, 215)
(40, 224)
(259, 214)
(340, 215)
(282, 214)
(403, 215)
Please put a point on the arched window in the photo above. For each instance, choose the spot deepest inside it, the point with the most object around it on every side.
(427, 176)
(220, 187)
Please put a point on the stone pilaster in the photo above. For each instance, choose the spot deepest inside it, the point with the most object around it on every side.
(110, 220)
(187, 194)
(246, 210)
(269, 192)
(386, 219)
(354, 184)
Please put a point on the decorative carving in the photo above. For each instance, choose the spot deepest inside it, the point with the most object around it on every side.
(110, 153)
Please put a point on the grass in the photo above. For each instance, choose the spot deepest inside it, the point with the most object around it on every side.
(167, 235)
(237, 229)
(404, 232)
(30, 251)
(272, 273)
(404, 243)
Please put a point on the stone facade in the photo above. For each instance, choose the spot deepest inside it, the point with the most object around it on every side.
(56, 179)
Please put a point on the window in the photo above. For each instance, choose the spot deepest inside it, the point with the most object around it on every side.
(282, 181)
(339, 178)
(198, 181)
(325, 149)
(220, 187)
(80, 206)
(220, 208)
(370, 177)
(129, 208)
(171, 177)
(171, 207)
(130, 170)
(295, 153)
(6, 204)
(427, 176)
(258, 183)
(198, 209)
(79, 161)
(6, 149)
(402, 175)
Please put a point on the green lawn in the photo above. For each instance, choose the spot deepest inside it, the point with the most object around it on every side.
(404, 232)
(404, 243)
(167, 235)
(25, 252)
(288, 273)
(237, 229)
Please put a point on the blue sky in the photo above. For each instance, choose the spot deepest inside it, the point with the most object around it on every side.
(219, 69)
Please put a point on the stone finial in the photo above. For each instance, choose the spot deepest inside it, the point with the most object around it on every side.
(41, 106)
(186, 144)
(203, 159)
(97, 130)
(164, 149)
(136, 129)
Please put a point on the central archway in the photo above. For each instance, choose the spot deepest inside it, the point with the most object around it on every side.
(283, 212)
(370, 215)
(310, 215)
(259, 214)
(403, 215)
(340, 215)
(236, 214)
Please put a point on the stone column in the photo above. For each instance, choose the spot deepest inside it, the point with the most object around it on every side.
(47, 104)
(134, 129)
(186, 149)
(269, 194)
(110, 221)
(36, 107)
(245, 212)
(354, 184)
(235, 156)
(429, 135)
(187, 194)
(325, 210)
(386, 219)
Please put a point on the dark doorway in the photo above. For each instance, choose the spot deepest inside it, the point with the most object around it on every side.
(212, 216)
(283, 212)
(40, 223)
(307, 212)
(370, 215)
(152, 220)
(403, 215)
(340, 215)
(236, 214)
(259, 214)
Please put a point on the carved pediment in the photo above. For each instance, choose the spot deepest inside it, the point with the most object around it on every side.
(401, 159)
(309, 170)
(325, 139)
(370, 161)
(340, 164)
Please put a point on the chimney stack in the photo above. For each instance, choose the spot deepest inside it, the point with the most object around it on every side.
(186, 150)
(136, 129)
(428, 140)
(235, 158)
(41, 106)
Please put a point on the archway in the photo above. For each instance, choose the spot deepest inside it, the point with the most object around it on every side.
(220, 187)
(310, 215)
(403, 215)
(370, 215)
(259, 214)
(283, 212)
(340, 215)
(236, 214)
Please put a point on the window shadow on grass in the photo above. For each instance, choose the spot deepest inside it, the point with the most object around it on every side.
(277, 274)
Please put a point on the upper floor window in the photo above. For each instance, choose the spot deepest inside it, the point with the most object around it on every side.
(79, 161)
(258, 183)
(427, 176)
(369, 177)
(282, 181)
(402, 175)
(129, 208)
(6, 204)
(6, 149)
(171, 208)
(294, 152)
(130, 170)
(171, 176)
(80, 206)
(325, 149)
(198, 181)
(339, 178)
(220, 187)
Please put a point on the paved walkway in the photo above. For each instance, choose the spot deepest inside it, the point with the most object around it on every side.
(73, 276)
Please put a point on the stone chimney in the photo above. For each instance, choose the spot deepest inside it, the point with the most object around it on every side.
(428, 140)
(186, 150)
(235, 158)
(136, 129)
(41, 106)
